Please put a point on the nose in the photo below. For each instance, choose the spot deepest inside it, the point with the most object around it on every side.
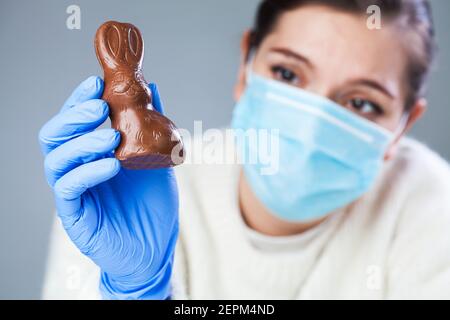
(322, 89)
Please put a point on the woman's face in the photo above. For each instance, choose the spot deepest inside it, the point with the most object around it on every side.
(332, 53)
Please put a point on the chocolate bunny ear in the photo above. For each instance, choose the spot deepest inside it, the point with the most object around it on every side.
(119, 45)
(135, 48)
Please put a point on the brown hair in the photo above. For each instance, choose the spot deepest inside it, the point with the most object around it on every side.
(414, 16)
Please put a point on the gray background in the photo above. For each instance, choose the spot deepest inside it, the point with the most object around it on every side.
(192, 52)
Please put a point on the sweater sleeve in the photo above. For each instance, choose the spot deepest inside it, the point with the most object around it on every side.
(420, 263)
(419, 260)
(69, 274)
(179, 274)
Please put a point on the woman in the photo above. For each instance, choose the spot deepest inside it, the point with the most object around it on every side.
(354, 210)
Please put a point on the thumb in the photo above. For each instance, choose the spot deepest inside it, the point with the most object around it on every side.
(156, 99)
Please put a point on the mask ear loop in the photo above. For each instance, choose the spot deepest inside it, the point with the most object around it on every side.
(402, 124)
(249, 66)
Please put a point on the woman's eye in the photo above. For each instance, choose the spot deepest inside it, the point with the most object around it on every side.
(365, 107)
(285, 75)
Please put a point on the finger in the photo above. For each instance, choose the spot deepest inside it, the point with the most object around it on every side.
(156, 99)
(76, 121)
(73, 184)
(86, 148)
(91, 88)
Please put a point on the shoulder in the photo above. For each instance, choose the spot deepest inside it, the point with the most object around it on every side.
(416, 185)
(422, 181)
(424, 173)
(419, 253)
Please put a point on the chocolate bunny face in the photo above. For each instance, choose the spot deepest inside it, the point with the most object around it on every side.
(148, 139)
(119, 46)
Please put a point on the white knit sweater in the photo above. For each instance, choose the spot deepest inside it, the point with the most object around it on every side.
(394, 242)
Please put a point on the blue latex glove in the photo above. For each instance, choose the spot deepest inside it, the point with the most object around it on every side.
(126, 221)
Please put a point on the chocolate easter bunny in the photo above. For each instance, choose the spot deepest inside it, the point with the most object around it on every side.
(148, 139)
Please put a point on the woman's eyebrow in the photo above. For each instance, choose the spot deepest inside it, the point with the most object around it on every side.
(292, 54)
(374, 85)
(365, 82)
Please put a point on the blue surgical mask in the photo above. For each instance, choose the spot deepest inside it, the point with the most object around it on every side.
(328, 156)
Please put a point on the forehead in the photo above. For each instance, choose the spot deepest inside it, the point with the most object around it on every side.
(332, 39)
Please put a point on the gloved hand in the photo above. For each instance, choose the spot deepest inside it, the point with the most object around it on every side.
(126, 221)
